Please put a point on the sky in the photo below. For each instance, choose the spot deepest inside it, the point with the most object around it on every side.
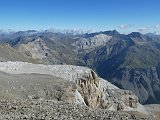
(97, 15)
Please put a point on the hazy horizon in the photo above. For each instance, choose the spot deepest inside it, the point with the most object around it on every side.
(97, 15)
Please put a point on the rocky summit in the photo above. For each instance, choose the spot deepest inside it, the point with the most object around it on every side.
(36, 91)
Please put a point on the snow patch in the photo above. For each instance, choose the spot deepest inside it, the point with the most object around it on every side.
(78, 98)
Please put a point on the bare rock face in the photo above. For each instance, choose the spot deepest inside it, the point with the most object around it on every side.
(145, 83)
(38, 49)
(88, 86)
(91, 42)
(97, 96)
(130, 99)
(72, 84)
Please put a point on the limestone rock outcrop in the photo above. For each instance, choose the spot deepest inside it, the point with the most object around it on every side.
(90, 43)
(97, 96)
(88, 87)
(72, 84)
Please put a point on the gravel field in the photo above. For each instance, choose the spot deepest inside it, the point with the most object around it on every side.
(50, 110)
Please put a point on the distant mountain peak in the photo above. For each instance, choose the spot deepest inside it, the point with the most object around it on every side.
(111, 32)
(115, 31)
(135, 35)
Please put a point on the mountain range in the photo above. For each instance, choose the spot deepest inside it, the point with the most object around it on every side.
(131, 62)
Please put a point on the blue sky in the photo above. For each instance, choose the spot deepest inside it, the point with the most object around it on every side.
(123, 15)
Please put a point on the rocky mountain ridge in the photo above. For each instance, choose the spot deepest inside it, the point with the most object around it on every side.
(67, 89)
(90, 90)
(132, 59)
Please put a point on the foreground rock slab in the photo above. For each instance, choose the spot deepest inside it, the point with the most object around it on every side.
(36, 91)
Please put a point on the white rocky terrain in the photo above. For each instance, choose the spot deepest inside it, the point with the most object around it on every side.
(37, 49)
(72, 85)
(91, 42)
(67, 72)
(33, 49)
